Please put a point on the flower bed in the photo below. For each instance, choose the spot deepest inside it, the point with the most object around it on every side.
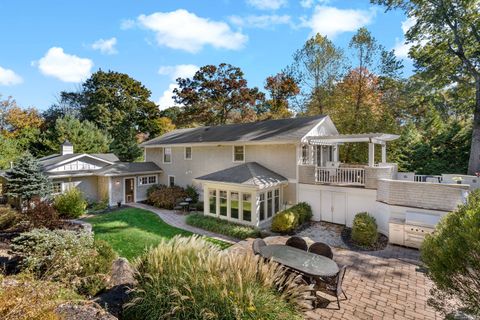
(224, 227)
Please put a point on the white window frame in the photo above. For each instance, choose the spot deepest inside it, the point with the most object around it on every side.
(140, 183)
(61, 187)
(164, 153)
(168, 182)
(185, 153)
(233, 153)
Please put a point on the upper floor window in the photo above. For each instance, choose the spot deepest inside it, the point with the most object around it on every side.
(167, 155)
(147, 180)
(238, 153)
(188, 153)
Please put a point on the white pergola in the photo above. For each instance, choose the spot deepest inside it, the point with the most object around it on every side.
(371, 138)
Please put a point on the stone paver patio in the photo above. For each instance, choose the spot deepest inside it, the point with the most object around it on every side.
(386, 284)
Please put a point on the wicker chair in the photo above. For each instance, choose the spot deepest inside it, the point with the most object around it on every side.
(321, 249)
(298, 243)
(257, 244)
(334, 289)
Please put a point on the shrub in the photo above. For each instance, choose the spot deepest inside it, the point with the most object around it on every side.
(8, 218)
(452, 257)
(100, 206)
(65, 256)
(192, 193)
(188, 278)
(364, 230)
(288, 220)
(22, 298)
(41, 214)
(284, 222)
(165, 197)
(71, 204)
(227, 228)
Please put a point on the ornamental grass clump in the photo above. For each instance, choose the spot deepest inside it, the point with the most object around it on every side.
(189, 278)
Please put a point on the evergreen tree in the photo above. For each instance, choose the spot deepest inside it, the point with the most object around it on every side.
(26, 180)
(125, 144)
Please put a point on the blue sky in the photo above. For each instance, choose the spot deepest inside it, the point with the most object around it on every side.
(50, 46)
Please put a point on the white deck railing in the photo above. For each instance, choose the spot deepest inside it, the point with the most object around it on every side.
(427, 178)
(344, 176)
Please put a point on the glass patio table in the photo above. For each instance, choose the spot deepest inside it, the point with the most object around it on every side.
(305, 262)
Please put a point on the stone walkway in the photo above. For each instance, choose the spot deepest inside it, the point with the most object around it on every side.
(386, 284)
(178, 220)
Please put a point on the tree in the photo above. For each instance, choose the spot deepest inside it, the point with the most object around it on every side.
(281, 88)
(316, 67)
(452, 257)
(110, 99)
(445, 46)
(26, 180)
(9, 152)
(84, 135)
(218, 95)
(125, 144)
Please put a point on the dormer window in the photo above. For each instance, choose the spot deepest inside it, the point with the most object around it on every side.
(238, 153)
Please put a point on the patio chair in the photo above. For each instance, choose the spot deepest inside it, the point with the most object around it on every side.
(297, 242)
(336, 288)
(257, 244)
(321, 249)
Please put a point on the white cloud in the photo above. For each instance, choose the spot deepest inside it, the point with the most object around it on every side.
(309, 3)
(331, 21)
(183, 30)
(261, 21)
(401, 48)
(166, 100)
(64, 66)
(9, 78)
(127, 24)
(267, 4)
(106, 46)
(179, 71)
(174, 72)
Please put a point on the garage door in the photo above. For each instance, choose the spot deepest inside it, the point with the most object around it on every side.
(312, 197)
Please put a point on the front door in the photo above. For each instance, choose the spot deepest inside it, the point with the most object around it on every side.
(129, 190)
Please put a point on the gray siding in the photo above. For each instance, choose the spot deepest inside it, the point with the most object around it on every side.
(280, 158)
(88, 185)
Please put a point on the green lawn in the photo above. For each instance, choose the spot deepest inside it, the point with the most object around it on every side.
(130, 231)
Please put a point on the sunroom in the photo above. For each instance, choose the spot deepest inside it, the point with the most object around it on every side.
(247, 194)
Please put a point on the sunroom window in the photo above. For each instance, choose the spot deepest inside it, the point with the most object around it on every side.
(234, 205)
(277, 200)
(212, 198)
(269, 204)
(261, 203)
(247, 207)
(223, 203)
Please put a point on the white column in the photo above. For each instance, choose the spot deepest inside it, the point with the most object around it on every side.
(384, 153)
(371, 154)
(335, 152)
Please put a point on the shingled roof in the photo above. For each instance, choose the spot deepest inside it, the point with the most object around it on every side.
(247, 174)
(122, 168)
(270, 130)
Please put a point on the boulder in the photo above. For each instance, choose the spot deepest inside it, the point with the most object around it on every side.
(82, 311)
(121, 273)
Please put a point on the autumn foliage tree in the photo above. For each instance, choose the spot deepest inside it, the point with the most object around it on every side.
(217, 95)
(281, 88)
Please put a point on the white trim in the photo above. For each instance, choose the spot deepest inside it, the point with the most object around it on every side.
(134, 189)
(163, 155)
(185, 153)
(127, 173)
(78, 157)
(168, 181)
(244, 153)
(110, 191)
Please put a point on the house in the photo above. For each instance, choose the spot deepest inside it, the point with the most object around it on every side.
(99, 176)
(246, 173)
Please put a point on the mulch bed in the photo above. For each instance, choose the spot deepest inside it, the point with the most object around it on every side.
(381, 243)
